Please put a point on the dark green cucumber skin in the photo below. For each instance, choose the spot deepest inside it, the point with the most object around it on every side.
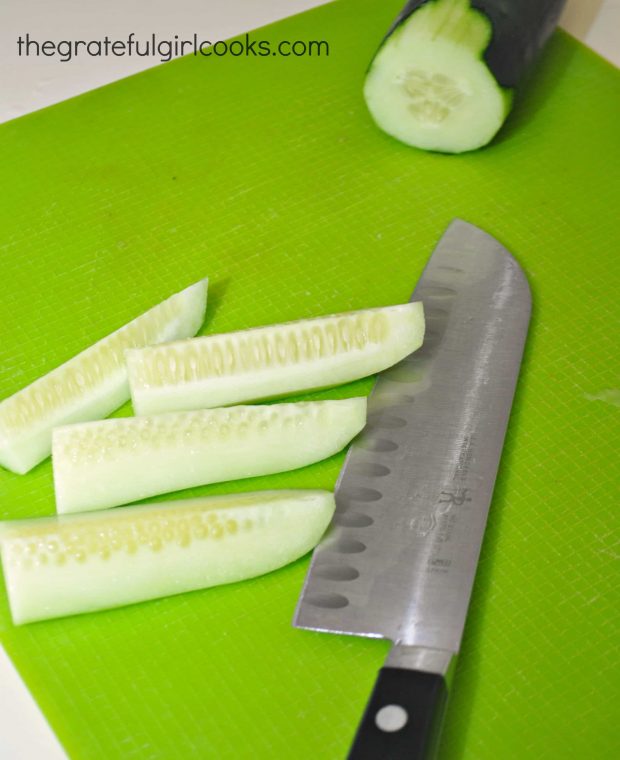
(520, 29)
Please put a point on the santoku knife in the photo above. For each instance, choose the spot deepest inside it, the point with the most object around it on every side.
(413, 496)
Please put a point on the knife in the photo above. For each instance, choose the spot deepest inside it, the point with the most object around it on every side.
(413, 496)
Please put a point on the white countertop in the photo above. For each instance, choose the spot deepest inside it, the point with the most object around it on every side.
(27, 84)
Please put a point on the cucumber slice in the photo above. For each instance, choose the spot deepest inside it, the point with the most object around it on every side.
(443, 78)
(92, 384)
(80, 563)
(104, 464)
(268, 362)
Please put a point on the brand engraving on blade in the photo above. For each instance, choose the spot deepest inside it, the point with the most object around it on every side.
(455, 498)
(438, 524)
(440, 515)
(466, 455)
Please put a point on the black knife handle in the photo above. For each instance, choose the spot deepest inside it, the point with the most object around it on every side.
(403, 717)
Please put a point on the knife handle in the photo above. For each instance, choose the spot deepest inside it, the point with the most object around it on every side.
(403, 717)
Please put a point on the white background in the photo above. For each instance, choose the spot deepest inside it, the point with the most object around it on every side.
(27, 84)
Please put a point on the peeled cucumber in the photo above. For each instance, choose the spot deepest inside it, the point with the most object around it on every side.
(104, 464)
(80, 563)
(267, 362)
(92, 384)
(444, 77)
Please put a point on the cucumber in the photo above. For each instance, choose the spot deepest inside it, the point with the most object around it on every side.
(444, 76)
(92, 384)
(67, 565)
(267, 362)
(104, 464)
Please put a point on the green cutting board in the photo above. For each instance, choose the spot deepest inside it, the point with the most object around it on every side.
(268, 176)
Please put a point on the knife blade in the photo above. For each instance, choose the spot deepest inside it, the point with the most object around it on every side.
(412, 499)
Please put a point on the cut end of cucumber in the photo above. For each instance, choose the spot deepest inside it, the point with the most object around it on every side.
(191, 305)
(272, 361)
(92, 384)
(81, 563)
(429, 86)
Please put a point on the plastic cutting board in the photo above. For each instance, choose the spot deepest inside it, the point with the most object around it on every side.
(268, 176)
